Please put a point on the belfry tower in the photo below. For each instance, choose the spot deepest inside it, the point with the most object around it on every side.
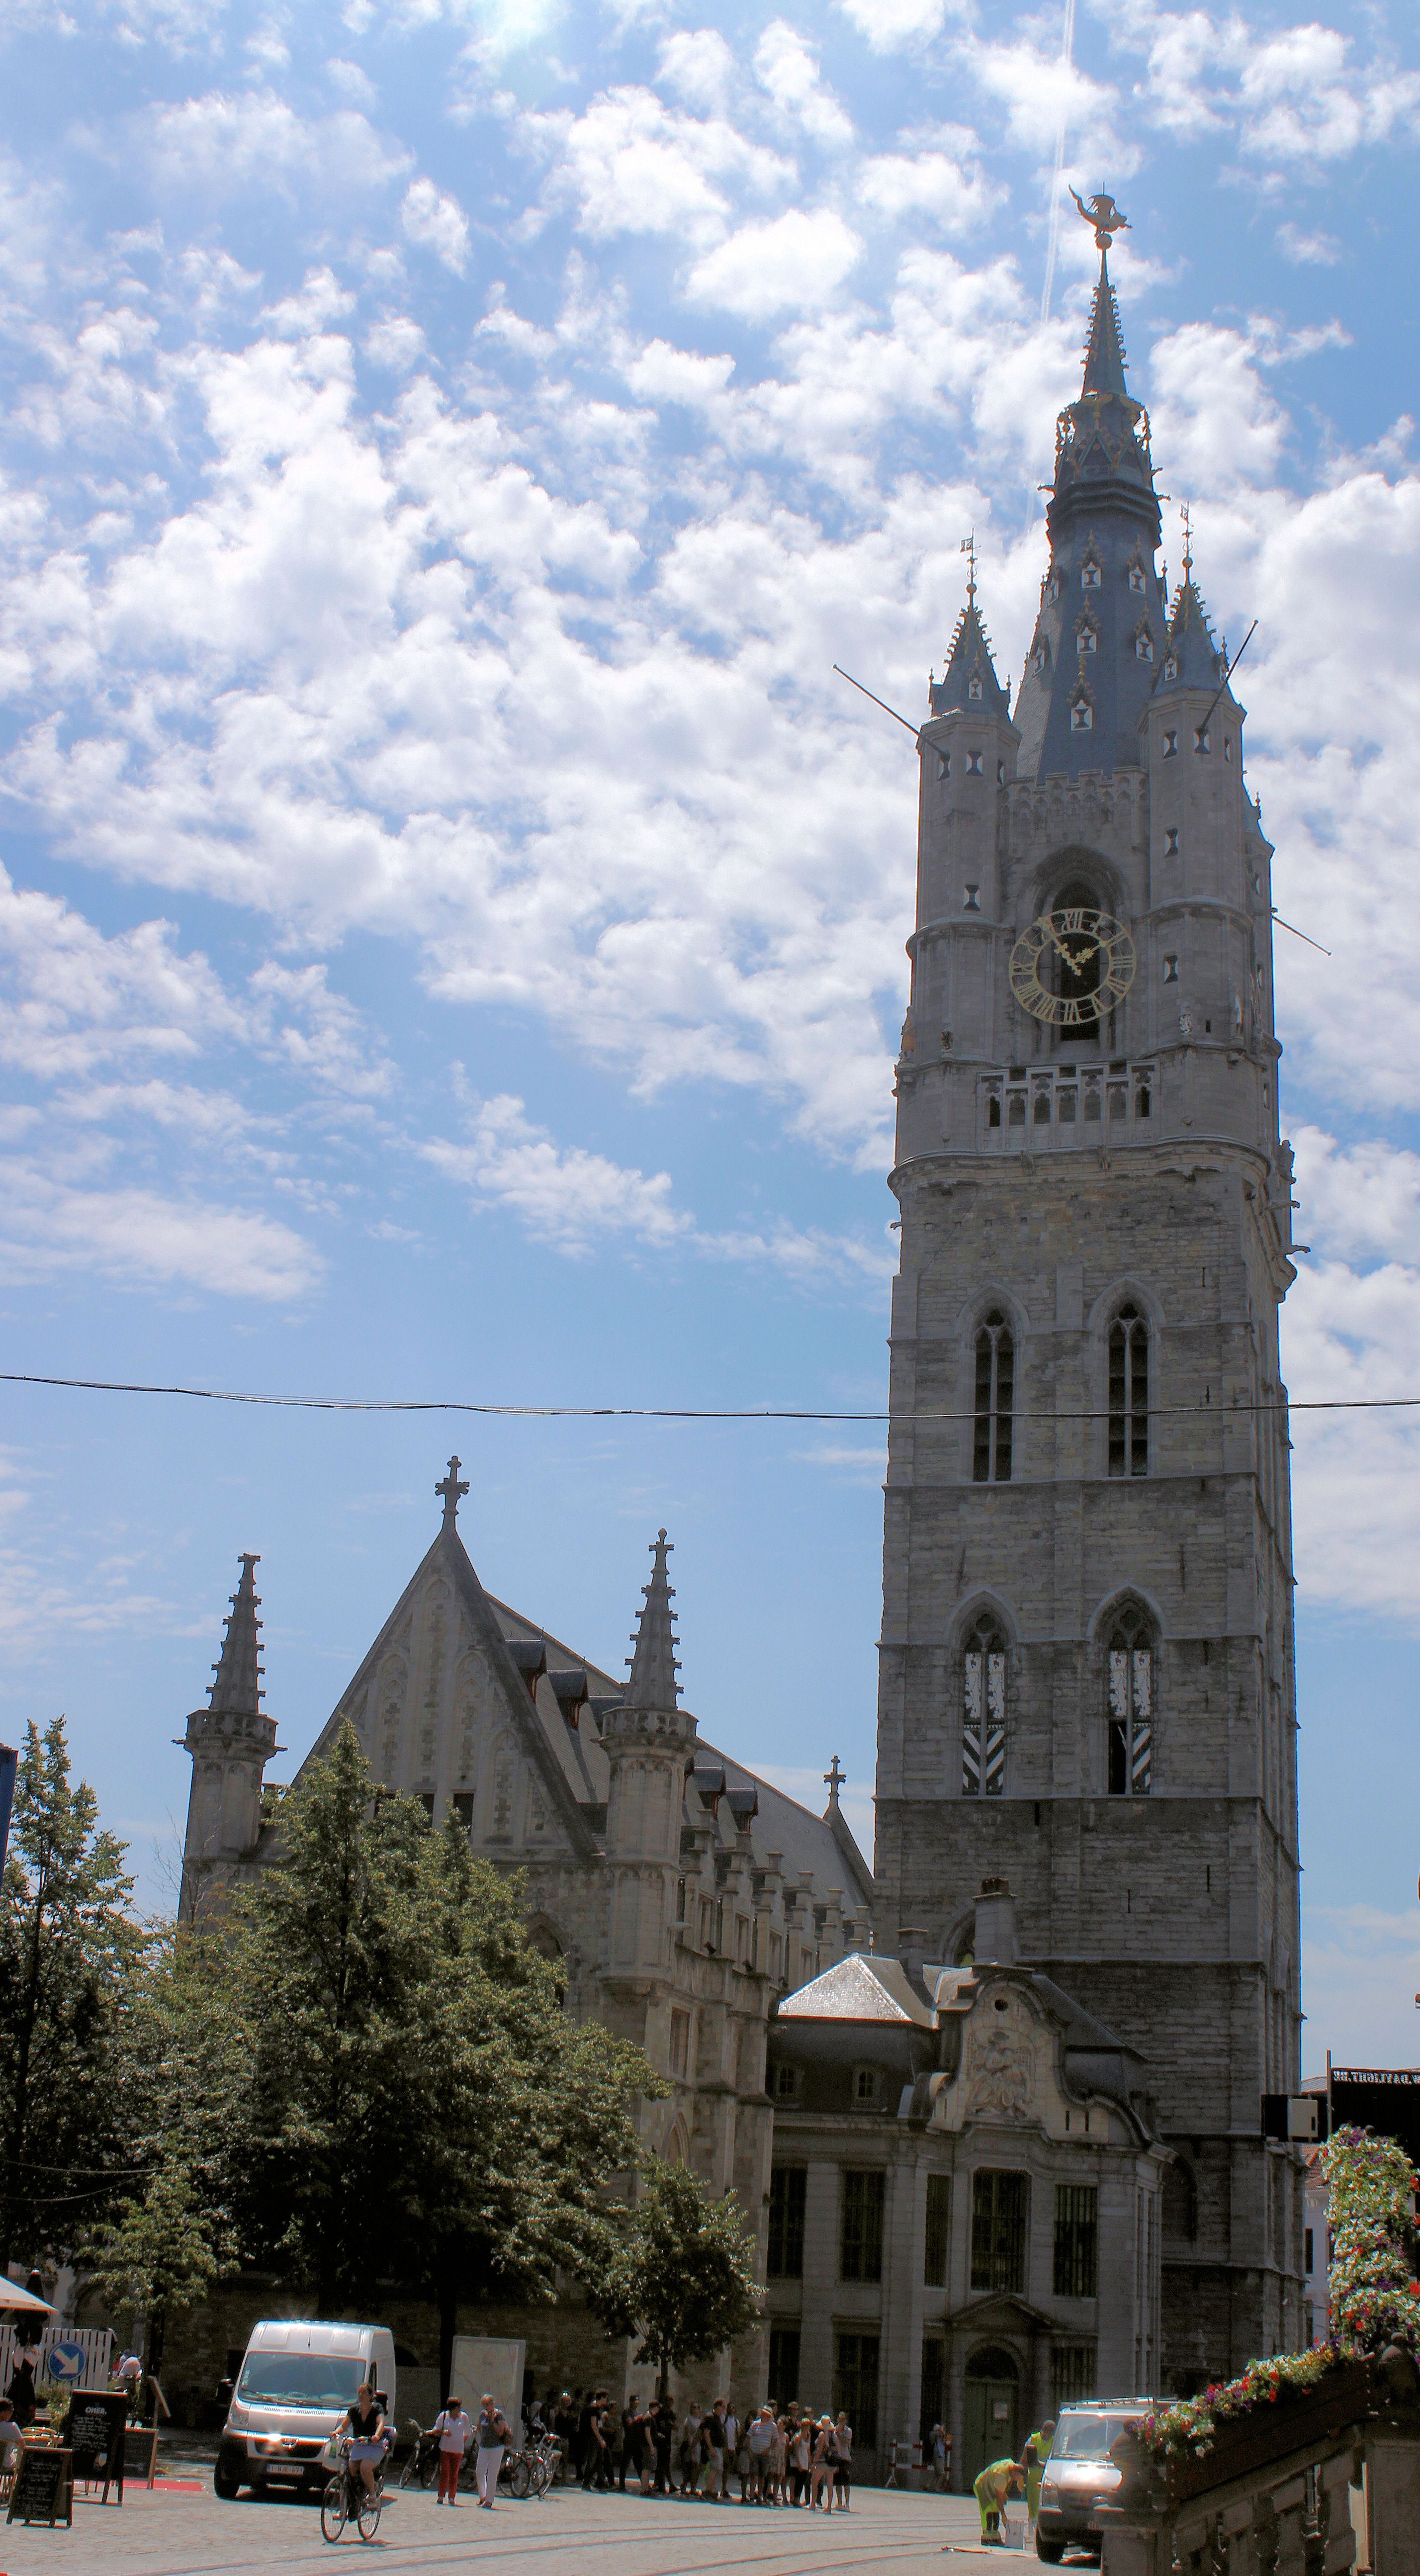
(1087, 1678)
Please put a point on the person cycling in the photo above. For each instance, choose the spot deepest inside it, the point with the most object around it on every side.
(365, 2425)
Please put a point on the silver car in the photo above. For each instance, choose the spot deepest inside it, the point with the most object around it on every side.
(1080, 2476)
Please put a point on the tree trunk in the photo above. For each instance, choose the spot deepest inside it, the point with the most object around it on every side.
(664, 2382)
(448, 2321)
(157, 2331)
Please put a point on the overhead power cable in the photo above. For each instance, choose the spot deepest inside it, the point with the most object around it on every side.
(678, 1412)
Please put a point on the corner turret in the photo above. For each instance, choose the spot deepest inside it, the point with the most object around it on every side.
(230, 1742)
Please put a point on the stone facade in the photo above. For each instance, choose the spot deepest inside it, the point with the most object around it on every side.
(965, 2202)
(1087, 1678)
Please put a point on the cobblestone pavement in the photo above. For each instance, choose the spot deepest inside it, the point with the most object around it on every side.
(566, 2534)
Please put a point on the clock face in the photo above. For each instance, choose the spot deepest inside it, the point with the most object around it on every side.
(1072, 966)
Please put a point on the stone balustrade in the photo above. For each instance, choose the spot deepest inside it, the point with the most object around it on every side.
(1052, 1108)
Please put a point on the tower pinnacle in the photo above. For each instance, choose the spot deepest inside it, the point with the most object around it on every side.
(237, 1690)
(653, 1683)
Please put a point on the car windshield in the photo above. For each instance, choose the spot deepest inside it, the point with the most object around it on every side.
(1087, 2437)
(322, 2379)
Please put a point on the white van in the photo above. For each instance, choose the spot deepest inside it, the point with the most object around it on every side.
(296, 2380)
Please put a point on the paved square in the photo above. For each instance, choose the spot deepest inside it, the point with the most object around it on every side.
(565, 2534)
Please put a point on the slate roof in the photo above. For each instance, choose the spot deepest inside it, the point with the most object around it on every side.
(568, 1757)
(1098, 644)
(1190, 644)
(969, 660)
(860, 1987)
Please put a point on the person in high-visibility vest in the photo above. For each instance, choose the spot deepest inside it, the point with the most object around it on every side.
(1002, 2479)
(1037, 2452)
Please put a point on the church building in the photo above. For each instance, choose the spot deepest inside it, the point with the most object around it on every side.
(992, 2106)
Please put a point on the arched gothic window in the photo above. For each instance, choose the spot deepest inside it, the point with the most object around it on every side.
(983, 1712)
(995, 1386)
(1130, 1676)
(1129, 1394)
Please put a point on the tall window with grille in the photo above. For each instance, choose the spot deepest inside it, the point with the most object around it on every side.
(862, 2242)
(1131, 1707)
(995, 1388)
(938, 2231)
(998, 2232)
(855, 2386)
(788, 2188)
(1072, 2375)
(1076, 2240)
(1129, 1394)
(983, 1712)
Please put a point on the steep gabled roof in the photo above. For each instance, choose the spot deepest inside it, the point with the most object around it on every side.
(969, 680)
(861, 1987)
(1190, 646)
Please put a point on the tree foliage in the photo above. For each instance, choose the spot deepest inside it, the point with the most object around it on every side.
(683, 2278)
(71, 1954)
(417, 2104)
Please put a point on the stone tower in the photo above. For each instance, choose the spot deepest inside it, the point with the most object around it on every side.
(230, 1741)
(1087, 1652)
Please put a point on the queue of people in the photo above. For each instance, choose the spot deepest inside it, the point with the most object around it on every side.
(775, 2455)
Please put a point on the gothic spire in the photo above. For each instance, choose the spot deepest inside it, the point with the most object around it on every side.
(1104, 350)
(653, 1683)
(970, 676)
(237, 1690)
(1191, 659)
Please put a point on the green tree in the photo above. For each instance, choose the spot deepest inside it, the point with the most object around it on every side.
(326, 1961)
(527, 2115)
(70, 1955)
(173, 2231)
(683, 2277)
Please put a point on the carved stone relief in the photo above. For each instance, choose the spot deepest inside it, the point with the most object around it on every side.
(1002, 2080)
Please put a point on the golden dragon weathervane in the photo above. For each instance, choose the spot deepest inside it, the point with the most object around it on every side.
(1104, 215)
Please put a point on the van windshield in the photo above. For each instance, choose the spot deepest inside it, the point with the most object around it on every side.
(1087, 2437)
(300, 2378)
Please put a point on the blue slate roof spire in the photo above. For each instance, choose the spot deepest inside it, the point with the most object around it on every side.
(1094, 658)
(969, 679)
(1104, 350)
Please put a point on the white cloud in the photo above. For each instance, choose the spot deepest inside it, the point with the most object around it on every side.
(940, 178)
(143, 1238)
(785, 68)
(796, 262)
(630, 164)
(807, 1788)
(223, 142)
(1315, 250)
(890, 23)
(567, 1197)
(699, 67)
(1361, 1971)
(436, 221)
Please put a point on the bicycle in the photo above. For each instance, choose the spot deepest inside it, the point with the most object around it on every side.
(423, 2459)
(347, 2496)
(530, 2472)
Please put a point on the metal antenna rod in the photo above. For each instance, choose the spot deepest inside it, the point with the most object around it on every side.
(914, 730)
(1232, 666)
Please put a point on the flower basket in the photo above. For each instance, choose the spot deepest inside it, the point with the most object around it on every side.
(1293, 2421)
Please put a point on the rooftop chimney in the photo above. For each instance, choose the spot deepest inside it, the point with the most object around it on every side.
(995, 1941)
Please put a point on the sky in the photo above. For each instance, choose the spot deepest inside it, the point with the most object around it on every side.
(451, 930)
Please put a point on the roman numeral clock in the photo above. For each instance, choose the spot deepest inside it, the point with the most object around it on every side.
(1072, 966)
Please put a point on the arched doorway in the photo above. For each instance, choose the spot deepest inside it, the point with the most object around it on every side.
(989, 2429)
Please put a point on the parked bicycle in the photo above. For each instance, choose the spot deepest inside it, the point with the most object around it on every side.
(348, 2499)
(422, 2466)
(530, 2472)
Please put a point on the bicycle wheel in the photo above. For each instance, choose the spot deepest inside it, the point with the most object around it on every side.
(428, 2466)
(542, 2475)
(369, 2514)
(333, 2509)
(520, 2479)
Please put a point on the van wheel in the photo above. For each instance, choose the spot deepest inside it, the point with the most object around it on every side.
(1052, 2551)
(225, 2485)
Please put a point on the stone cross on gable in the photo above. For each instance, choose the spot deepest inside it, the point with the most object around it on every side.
(453, 1493)
(834, 1778)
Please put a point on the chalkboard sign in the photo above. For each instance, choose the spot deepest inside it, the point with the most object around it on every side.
(94, 2432)
(140, 2452)
(43, 2489)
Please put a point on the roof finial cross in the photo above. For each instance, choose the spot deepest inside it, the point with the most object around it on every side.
(453, 1493)
(968, 548)
(1187, 543)
(834, 1778)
